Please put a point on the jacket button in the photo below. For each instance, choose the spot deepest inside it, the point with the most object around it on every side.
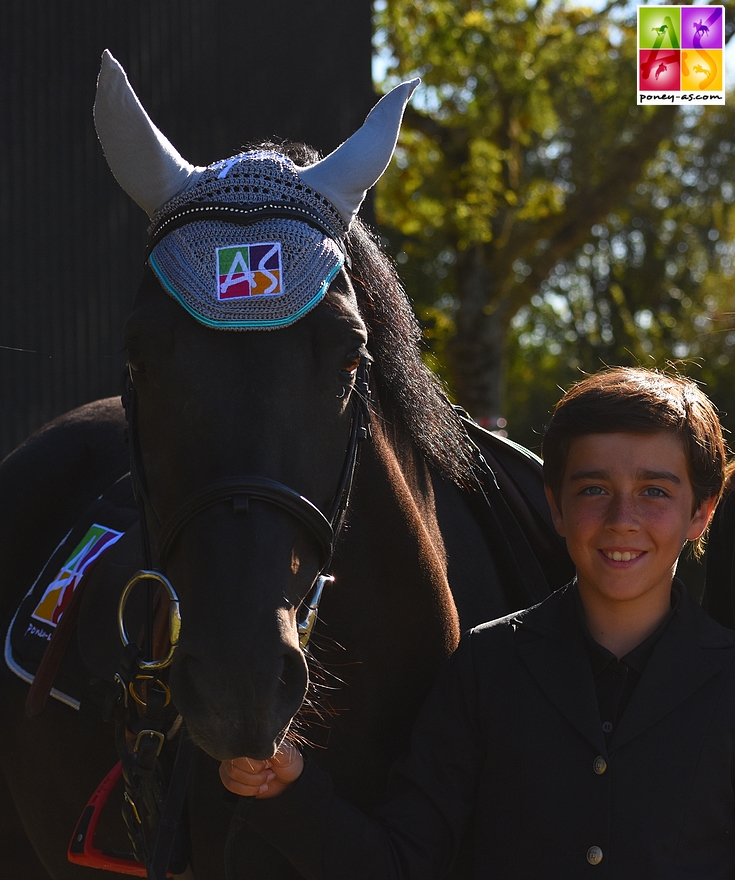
(594, 855)
(599, 765)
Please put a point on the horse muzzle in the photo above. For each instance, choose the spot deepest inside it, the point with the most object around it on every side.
(242, 704)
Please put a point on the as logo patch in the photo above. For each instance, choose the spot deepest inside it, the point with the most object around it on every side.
(249, 270)
(59, 592)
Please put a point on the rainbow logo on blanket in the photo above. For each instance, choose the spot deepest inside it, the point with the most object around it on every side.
(59, 592)
(249, 270)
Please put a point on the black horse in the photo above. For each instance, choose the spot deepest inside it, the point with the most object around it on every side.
(446, 526)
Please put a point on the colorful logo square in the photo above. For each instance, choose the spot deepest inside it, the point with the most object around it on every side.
(701, 70)
(680, 54)
(659, 27)
(659, 70)
(702, 27)
(59, 592)
(245, 270)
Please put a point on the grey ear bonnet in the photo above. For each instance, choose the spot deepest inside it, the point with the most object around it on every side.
(192, 261)
(249, 242)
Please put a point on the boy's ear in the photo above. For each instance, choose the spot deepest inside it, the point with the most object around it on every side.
(701, 518)
(556, 514)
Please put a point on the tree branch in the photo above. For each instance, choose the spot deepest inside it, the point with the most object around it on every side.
(568, 230)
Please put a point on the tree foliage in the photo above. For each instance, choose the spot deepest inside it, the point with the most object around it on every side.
(545, 223)
(653, 284)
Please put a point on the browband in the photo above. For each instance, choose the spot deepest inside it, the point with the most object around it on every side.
(242, 216)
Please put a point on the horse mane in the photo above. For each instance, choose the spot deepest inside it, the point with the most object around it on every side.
(411, 397)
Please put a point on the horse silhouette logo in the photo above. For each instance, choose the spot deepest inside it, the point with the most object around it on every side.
(700, 28)
(659, 27)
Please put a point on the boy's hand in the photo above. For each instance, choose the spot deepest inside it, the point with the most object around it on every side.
(249, 777)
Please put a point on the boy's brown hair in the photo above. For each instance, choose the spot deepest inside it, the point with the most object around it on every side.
(634, 400)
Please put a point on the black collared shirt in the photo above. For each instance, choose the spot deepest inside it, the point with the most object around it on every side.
(615, 680)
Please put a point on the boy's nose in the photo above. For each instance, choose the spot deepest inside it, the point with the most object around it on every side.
(622, 514)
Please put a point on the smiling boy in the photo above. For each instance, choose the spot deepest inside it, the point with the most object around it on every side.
(590, 736)
(624, 500)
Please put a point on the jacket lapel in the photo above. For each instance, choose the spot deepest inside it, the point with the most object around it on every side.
(550, 643)
(688, 655)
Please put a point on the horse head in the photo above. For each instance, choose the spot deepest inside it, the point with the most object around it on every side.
(246, 349)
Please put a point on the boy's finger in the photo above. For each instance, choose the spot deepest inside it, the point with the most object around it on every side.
(254, 779)
(242, 783)
(238, 771)
(285, 755)
(248, 765)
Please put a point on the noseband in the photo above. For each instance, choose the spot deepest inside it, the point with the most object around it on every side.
(240, 491)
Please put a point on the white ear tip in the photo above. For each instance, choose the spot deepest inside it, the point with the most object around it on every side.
(111, 81)
(345, 175)
(145, 164)
(410, 85)
(109, 62)
(393, 104)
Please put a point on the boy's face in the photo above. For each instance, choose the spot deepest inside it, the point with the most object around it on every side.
(625, 508)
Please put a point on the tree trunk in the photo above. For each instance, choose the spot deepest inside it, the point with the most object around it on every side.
(476, 353)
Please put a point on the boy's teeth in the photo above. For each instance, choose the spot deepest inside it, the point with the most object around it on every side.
(617, 556)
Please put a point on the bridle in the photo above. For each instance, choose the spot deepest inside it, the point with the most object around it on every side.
(149, 725)
(325, 528)
(240, 490)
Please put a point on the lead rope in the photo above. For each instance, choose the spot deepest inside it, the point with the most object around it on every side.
(151, 808)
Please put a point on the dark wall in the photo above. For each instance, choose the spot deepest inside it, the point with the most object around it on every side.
(213, 76)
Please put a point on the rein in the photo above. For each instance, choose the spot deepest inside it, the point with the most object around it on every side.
(144, 790)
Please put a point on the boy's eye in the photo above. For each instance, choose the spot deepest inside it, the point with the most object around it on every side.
(592, 490)
(655, 492)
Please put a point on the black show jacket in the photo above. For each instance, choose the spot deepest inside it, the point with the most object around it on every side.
(508, 757)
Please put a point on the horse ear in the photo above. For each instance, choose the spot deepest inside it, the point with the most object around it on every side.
(345, 175)
(143, 160)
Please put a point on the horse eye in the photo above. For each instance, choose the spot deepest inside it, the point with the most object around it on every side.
(136, 359)
(351, 363)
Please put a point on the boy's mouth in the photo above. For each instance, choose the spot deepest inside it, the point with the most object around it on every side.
(618, 556)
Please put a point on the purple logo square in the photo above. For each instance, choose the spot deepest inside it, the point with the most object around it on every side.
(702, 27)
